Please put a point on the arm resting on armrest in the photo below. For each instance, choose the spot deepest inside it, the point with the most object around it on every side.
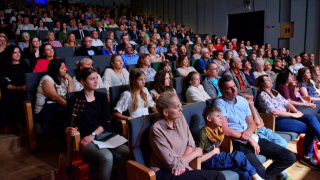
(137, 171)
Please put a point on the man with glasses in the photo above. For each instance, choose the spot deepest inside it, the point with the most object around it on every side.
(205, 59)
(124, 40)
(210, 82)
(87, 49)
(229, 46)
(129, 57)
(110, 35)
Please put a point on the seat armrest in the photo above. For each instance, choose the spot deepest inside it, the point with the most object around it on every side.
(30, 124)
(77, 140)
(226, 145)
(137, 171)
(306, 98)
(121, 127)
(195, 163)
(269, 120)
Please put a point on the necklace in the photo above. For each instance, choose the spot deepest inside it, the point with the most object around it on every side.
(123, 78)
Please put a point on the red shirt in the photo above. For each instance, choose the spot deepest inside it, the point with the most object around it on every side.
(218, 47)
(242, 86)
(235, 47)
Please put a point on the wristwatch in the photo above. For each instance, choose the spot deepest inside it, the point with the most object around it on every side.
(94, 134)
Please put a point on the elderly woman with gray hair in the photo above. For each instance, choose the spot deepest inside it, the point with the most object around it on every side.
(25, 41)
(259, 68)
(85, 63)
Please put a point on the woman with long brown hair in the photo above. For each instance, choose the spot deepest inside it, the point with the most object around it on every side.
(137, 100)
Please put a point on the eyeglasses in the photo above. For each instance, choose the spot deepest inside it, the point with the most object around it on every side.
(213, 69)
(88, 41)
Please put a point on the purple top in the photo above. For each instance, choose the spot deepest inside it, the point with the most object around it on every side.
(286, 92)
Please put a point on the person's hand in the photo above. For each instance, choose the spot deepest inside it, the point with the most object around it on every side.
(311, 105)
(129, 118)
(70, 131)
(86, 140)
(255, 146)
(198, 152)
(23, 88)
(67, 77)
(246, 135)
(298, 114)
(178, 172)
(216, 150)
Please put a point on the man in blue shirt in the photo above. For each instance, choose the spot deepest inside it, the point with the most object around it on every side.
(230, 47)
(205, 59)
(237, 122)
(129, 57)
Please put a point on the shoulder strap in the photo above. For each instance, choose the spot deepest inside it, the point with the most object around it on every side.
(140, 133)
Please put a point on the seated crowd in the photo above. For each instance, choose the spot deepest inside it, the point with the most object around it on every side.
(210, 67)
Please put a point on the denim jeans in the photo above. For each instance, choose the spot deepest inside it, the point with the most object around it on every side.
(271, 136)
(308, 124)
(282, 157)
(190, 175)
(235, 161)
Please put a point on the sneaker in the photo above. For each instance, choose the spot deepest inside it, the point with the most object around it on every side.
(310, 162)
(283, 176)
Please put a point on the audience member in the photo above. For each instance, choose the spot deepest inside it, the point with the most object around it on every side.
(47, 54)
(152, 48)
(95, 41)
(277, 66)
(144, 48)
(305, 83)
(80, 33)
(205, 59)
(305, 60)
(72, 26)
(196, 49)
(54, 85)
(87, 49)
(246, 69)
(268, 69)
(129, 57)
(25, 41)
(271, 102)
(171, 54)
(40, 26)
(24, 26)
(137, 100)
(237, 123)
(51, 40)
(13, 88)
(162, 83)
(166, 66)
(124, 40)
(160, 47)
(108, 48)
(227, 56)
(92, 122)
(194, 90)
(229, 46)
(221, 63)
(32, 53)
(183, 68)
(116, 75)
(71, 42)
(84, 63)
(63, 33)
(144, 64)
(210, 137)
(173, 151)
(210, 82)
(237, 75)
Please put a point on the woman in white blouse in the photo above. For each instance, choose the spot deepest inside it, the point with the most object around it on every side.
(85, 63)
(195, 91)
(183, 66)
(116, 75)
(137, 100)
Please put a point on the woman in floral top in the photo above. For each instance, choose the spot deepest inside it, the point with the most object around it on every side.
(271, 102)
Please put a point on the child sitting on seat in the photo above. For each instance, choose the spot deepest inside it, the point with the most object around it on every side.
(262, 131)
(210, 137)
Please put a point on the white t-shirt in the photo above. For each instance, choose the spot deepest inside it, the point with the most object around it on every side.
(41, 97)
(125, 102)
(110, 78)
